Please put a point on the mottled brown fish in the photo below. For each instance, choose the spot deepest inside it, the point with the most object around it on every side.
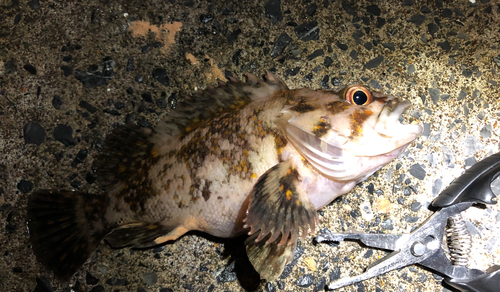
(249, 156)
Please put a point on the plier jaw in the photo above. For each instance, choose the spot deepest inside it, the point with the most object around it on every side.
(423, 245)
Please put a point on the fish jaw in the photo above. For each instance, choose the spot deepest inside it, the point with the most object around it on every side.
(387, 132)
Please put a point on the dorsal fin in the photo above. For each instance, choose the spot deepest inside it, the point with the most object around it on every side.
(206, 104)
(130, 150)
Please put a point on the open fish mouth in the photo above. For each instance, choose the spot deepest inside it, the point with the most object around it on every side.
(389, 125)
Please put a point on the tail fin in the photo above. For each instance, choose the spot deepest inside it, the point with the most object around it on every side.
(65, 227)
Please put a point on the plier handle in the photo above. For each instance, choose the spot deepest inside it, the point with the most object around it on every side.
(423, 245)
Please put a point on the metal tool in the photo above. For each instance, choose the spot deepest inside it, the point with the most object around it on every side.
(423, 245)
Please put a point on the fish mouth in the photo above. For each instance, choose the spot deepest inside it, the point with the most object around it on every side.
(389, 125)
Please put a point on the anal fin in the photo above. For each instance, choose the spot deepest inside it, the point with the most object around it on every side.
(143, 235)
(136, 235)
(279, 212)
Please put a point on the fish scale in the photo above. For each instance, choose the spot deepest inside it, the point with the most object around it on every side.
(244, 157)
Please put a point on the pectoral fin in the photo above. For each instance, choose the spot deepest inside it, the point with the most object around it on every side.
(278, 213)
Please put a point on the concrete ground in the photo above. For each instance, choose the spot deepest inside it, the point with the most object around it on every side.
(71, 71)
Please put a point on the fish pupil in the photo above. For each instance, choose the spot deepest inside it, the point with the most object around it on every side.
(359, 97)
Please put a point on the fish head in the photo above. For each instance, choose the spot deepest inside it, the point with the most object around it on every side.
(349, 134)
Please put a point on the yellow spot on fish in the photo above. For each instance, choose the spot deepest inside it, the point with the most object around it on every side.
(254, 175)
(243, 163)
(176, 197)
(122, 168)
(154, 152)
(289, 171)
(280, 150)
(289, 195)
(246, 152)
(282, 187)
(298, 203)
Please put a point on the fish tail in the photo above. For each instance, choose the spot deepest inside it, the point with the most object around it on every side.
(65, 227)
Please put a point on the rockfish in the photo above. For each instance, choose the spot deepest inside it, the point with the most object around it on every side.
(245, 157)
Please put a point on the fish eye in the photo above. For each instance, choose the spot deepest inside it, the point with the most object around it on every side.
(358, 95)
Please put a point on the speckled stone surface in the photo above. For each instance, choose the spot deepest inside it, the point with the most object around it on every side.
(70, 72)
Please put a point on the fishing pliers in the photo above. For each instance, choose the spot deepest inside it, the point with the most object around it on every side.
(424, 245)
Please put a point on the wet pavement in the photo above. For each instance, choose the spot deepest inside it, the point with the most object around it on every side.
(70, 72)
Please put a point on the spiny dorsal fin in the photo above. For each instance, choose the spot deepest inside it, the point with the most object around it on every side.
(206, 104)
(130, 150)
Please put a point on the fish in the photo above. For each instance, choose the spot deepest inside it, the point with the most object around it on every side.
(243, 157)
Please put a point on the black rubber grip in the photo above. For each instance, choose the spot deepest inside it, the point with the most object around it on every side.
(472, 186)
(488, 282)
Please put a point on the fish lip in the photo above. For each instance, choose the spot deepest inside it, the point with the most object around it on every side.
(396, 107)
(401, 108)
(390, 115)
